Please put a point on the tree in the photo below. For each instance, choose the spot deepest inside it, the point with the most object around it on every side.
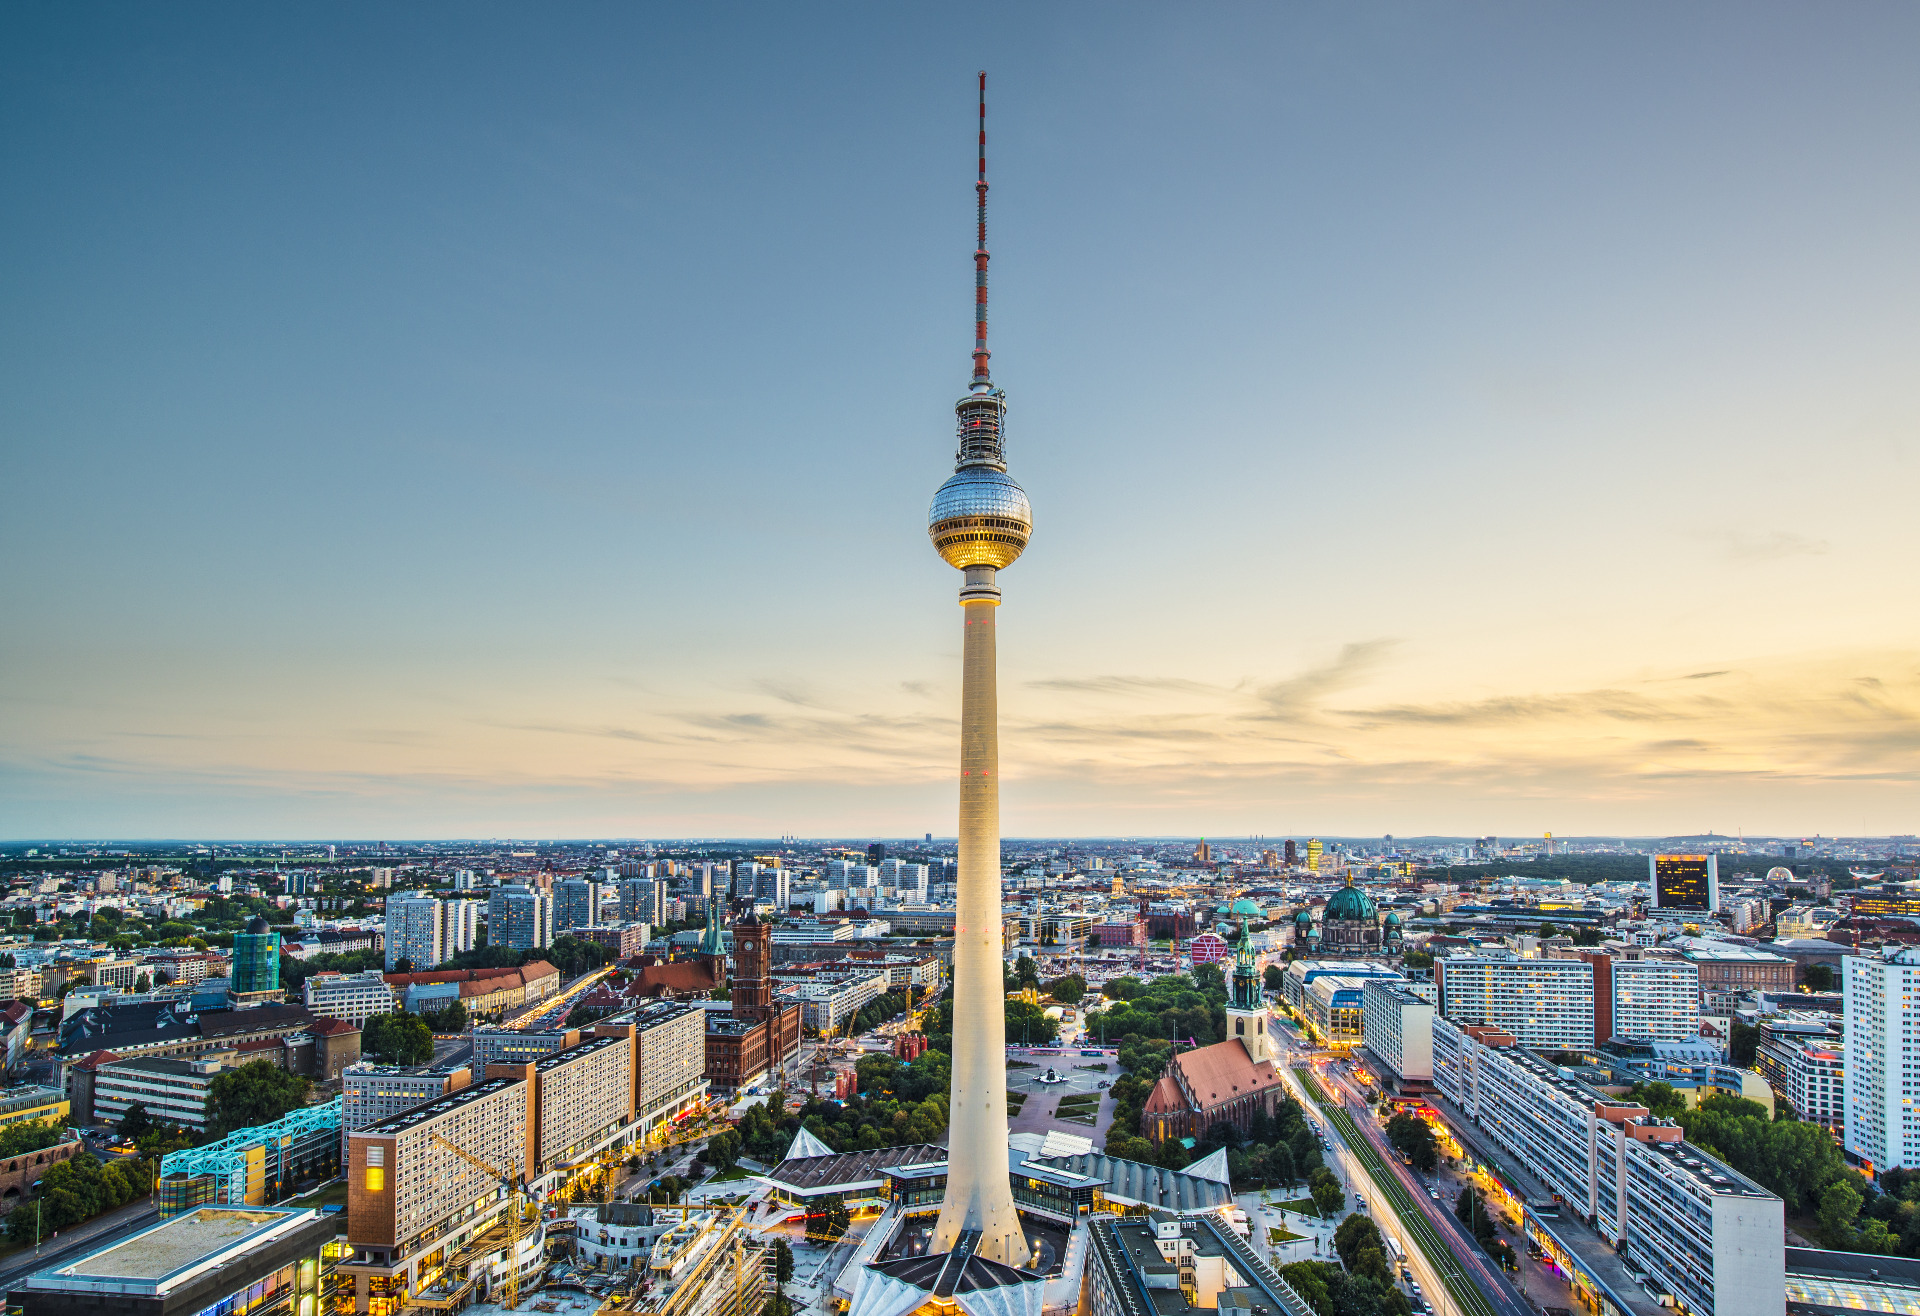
(1325, 1190)
(259, 1092)
(1273, 979)
(1663, 1099)
(1817, 978)
(782, 1262)
(1548, 930)
(1839, 1204)
(452, 1019)
(143, 983)
(397, 1039)
(1068, 990)
(1744, 1045)
(1415, 1140)
(136, 1122)
(1026, 972)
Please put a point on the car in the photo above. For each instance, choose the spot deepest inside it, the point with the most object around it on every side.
(1434, 1193)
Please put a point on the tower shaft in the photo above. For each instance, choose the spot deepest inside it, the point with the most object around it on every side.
(978, 1194)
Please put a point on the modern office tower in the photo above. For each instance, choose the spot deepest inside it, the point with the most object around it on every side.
(701, 879)
(979, 522)
(576, 903)
(415, 936)
(1881, 999)
(1292, 854)
(520, 918)
(1703, 1231)
(877, 851)
(1397, 1023)
(256, 960)
(890, 870)
(1689, 883)
(746, 880)
(466, 879)
(1543, 1003)
(1648, 998)
(1313, 853)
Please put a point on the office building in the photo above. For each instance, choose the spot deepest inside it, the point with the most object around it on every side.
(354, 997)
(1881, 1001)
(1803, 1061)
(774, 886)
(261, 1261)
(1542, 1003)
(1398, 1030)
(172, 1091)
(371, 1093)
(1164, 1264)
(1702, 1231)
(1728, 972)
(519, 917)
(520, 1046)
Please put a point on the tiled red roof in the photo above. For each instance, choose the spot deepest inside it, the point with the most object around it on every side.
(1165, 1099)
(332, 1027)
(97, 1059)
(1224, 1072)
(680, 978)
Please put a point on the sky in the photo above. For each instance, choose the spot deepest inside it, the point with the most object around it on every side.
(519, 421)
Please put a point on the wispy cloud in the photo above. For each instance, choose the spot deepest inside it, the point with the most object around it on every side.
(1769, 545)
(1299, 696)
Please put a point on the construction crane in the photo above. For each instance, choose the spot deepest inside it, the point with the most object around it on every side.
(517, 1201)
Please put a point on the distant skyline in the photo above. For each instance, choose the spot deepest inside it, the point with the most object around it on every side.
(520, 423)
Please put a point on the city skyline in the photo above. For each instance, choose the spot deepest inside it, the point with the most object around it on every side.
(1514, 408)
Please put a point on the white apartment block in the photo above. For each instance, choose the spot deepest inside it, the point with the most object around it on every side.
(414, 933)
(1703, 1232)
(1543, 1003)
(1655, 999)
(354, 997)
(519, 1046)
(1397, 1024)
(1809, 1074)
(371, 1093)
(671, 1049)
(1881, 998)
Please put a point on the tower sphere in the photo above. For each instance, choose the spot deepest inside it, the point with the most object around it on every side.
(980, 518)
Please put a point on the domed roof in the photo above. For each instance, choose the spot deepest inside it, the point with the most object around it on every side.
(1393, 919)
(1246, 907)
(256, 925)
(1303, 919)
(1351, 904)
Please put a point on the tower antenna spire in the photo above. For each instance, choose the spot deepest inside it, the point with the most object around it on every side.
(981, 379)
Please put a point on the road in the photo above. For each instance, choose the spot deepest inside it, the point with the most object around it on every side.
(1459, 1278)
(542, 1014)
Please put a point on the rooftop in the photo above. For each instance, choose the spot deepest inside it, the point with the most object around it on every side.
(158, 1259)
(433, 1110)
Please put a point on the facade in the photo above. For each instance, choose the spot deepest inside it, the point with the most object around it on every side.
(1398, 1029)
(830, 999)
(1542, 1003)
(1336, 1007)
(253, 1166)
(354, 997)
(1702, 1231)
(585, 1095)
(1882, 1107)
(670, 1046)
(370, 1093)
(1169, 1265)
(625, 940)
(172, 1091)
(520, 1046)
(758, 1034)
(1298, 976)
(519, 917)
(1808, 1072)
(260, 1261)
(1654, 998)
(1351, 924)
(643, 900)
(576, 903)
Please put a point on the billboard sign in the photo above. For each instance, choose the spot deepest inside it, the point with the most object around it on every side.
(1208, 948)
(1685, 882)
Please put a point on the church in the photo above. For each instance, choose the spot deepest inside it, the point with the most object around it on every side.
(1229, 1082)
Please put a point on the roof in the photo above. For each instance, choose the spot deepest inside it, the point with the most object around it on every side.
(175, 1252)
(225, 1023)
(332, 1027)
(1224, 1072)
(97, 1059)
(1149, 1185)
(809, 1174)
(678, 978)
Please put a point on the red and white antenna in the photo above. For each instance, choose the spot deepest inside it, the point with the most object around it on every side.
(980, 353)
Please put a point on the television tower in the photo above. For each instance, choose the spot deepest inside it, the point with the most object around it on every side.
(979, 522)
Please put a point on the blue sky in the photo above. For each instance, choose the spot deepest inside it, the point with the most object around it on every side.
(520, 420)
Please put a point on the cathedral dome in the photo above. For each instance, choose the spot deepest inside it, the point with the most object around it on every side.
(1350, 903)
(1244, 908)
(1304, 919)
(1393, 919)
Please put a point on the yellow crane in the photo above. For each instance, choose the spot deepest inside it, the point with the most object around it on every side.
(517, 1201)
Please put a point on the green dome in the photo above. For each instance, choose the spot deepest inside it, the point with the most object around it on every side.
(1304, 919)
(1246, 907)
(1350, 904)
(1393, 919)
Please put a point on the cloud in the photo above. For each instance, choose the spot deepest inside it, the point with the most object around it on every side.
(1138, 686)
(1300, 695)
(1771, 546)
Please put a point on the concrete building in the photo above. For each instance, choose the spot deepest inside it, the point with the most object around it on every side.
(520, 1046)
(1702, 1231)
(426, 932)
(1543, 1003)
(644, 900)
(1882, 1011)
(1802, 1059)
(1646, 996)
(371, 1093)
(1728, 972)
(172, 1091)
(625, 940)
(576, 903)
(670, 1046)
(1170, 1265)
(259, 1260)
(519, 917)
(1398, 1030)
(354, 997)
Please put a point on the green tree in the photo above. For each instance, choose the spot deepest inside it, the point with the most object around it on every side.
(1817, 978)
(1325, 1190)
(1410, 1134)
(1067, 990)
(259, 1092)
(1839, 1204)
(28, 1135)
(1025, 972)
(1273, 979)
(782, 1261)
(397, 1039)
(1663, 1099)
(136, 1123)
(1029, 1024)
(1743, 1046)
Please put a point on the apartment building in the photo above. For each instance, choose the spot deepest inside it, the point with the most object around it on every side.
(670, 1041)
(828, 999)
(1881, 1000)
(354, 997)
(520, 1046)
(519, 917)
(1807, 1070)
(576, 903)
(583, 1096)
(425, 932)
(1651, 998)
(1542, 1003)
(371, 1093)
(172, 1091)
(1700, 1230)
(1397, 1025)
(643, 900)
(625, 940)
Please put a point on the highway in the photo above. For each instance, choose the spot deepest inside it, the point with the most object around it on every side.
(1455, 1274)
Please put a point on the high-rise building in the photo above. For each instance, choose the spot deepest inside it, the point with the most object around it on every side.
(520, 918)
(644, 900)
(876, 852)
(1881, 1000)
(775, 885)
(414, 934)
(1397, 1023)
(1648, 998)
(1542, 1003)
(459, 926)
(980, 522)
(1313, 853)
(576, 903)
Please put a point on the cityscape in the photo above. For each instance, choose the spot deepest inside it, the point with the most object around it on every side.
(492, 820)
